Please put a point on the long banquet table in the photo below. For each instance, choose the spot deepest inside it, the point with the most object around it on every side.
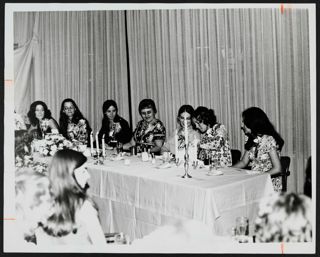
(139, 197)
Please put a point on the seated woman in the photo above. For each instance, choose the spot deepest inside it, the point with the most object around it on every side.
(33, 203)
(150, 133)
(214, 143)
(284, 218)
(73, 125)
(114, 127)
(176, 142)
(41, 121)
(263, 144)
(74, 220)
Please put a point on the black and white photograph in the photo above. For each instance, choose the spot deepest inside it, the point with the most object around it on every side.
(160, 128)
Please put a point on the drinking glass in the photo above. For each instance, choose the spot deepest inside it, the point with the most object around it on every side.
(242, 227)
(119, 147)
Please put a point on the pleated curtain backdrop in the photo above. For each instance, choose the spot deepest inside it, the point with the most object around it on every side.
(225, 59)
(81, 55)
(228, 60)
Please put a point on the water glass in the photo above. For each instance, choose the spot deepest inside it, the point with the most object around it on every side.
(242, 228)
(119, 147)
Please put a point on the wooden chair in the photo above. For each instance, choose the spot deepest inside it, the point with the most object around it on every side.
(285, 164)
(235, 156)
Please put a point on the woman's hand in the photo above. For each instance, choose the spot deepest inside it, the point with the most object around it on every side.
(243, 163)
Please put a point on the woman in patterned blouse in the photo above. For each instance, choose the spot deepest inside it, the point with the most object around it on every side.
(150, 132)
(263, 144)
(214, 144)
(73, 125)
(41, 121)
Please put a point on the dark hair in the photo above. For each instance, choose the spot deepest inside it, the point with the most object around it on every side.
(147, 103)
(258, 122)
(189, 109)
(105, 107)
(109, 103)
(63, 120)
(67, 193)
(205, 115)
(31, 113)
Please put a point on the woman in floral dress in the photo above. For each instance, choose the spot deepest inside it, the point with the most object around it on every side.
(73, 125)
(150, 132)
(263, 145)
(41, 121)
(114, 127)
(214, 144)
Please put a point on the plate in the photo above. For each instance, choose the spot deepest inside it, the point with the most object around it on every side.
(215, 173)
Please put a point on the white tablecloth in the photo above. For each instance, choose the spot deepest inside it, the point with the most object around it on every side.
(138, 198)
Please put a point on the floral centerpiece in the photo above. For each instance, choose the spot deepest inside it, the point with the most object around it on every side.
(51, 144)
(23, 157)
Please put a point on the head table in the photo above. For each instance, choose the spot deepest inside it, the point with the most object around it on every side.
(137, 197)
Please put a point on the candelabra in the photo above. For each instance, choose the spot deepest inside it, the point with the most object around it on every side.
(186, 163)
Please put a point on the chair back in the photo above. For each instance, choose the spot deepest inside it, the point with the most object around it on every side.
(235, 156)
(285, 164)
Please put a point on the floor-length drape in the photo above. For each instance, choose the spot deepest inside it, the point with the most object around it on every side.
(225, 59)
(228, 60)
(82, 55)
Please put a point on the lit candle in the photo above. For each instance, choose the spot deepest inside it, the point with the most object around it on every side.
(186, 139)
(91, 142)
(97, 143)
(103, 147)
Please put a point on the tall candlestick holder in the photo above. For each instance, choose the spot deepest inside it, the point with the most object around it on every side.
(186, 163)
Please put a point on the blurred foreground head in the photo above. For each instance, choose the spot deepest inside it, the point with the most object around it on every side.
(284, 218)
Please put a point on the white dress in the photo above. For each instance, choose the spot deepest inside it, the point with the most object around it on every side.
(89, 230)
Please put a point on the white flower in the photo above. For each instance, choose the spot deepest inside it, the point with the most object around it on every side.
(54, 148)
(45, 152)
(82, 122)
(257, 140)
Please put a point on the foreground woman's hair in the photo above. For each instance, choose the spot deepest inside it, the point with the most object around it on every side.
(67, 194)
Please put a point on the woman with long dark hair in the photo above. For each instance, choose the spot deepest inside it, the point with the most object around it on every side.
(41, 121)
(114, 127)
(263, 144)
(73, 125)
(214, 144)
(74, 219)
(177, 141)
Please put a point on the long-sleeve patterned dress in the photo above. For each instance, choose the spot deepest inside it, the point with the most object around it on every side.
(214, 145)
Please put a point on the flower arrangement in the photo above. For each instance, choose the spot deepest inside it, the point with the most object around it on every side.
(284, 218)
(51, 144)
